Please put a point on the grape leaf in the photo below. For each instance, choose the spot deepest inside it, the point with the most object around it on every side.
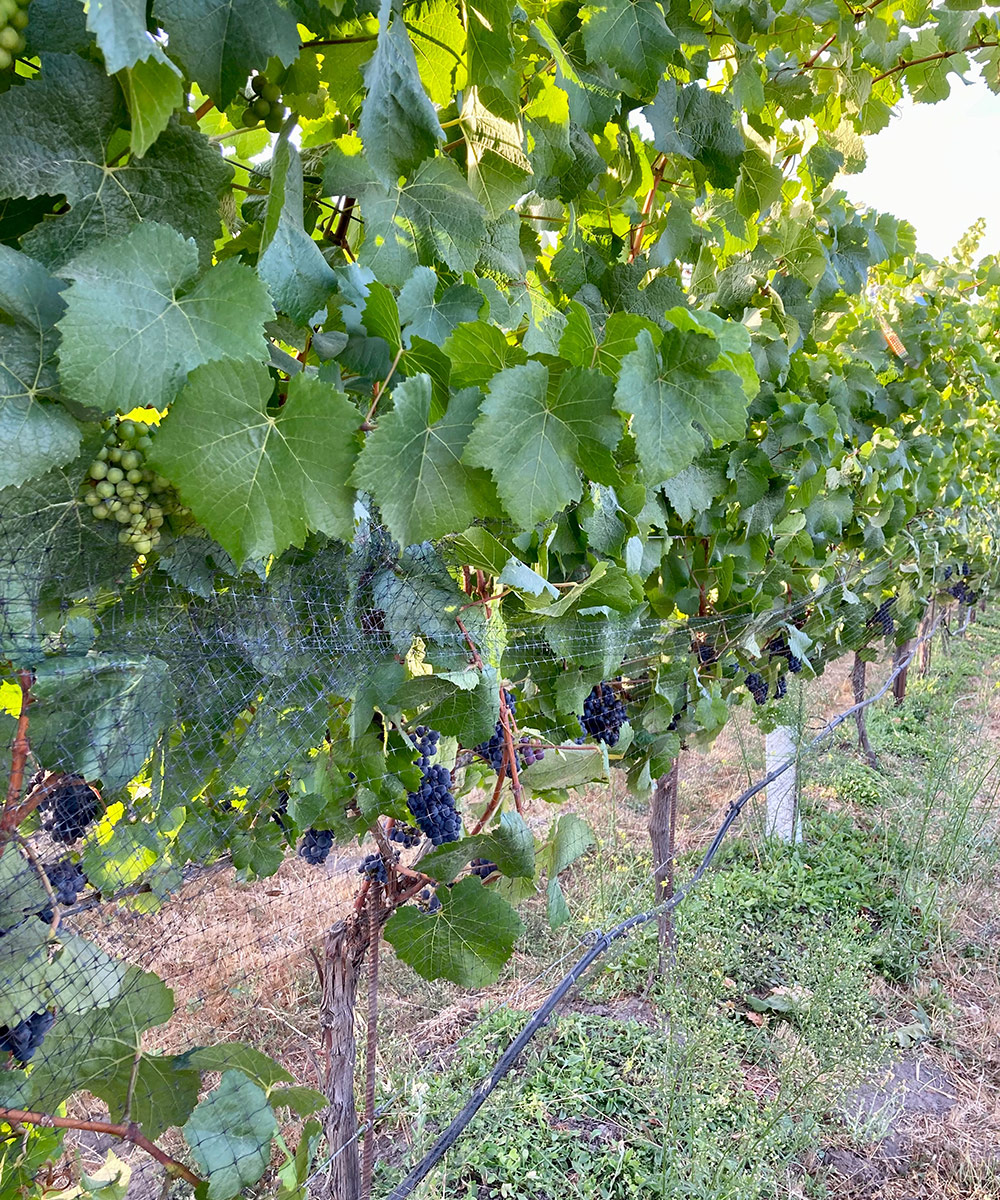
(698, 124)
(37, 431)
(534, 437)
(467, 940)
(297, 275)
(119, 27)
(219, 42)
(21, 891)
(259, 480)
(230, 1135)
(399, 126)
(100, 715)
(511, 846)
(434, 217)
(677, 401)
(153, 89)
(138, 318)
(413, 468)
(632, 37)
(490, 55)
(238, 1056)
(54, 136)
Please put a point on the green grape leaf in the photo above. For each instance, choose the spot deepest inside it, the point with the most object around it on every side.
(21, 891)
(399, 125)
(96, 1050)
(413, 468)
(54, 138)
(534, 437)
(100, 715)
(303, 1101)
(631, 37)
(230, 1134)
(237, 1056)
(38, 431)
(477, 352)
(490, 55)
(511, 846)
(219, 42)
(153, 90)
(697, 124)
(119, 27)
(138, 319)
(435, 217)
(677, 402)
(297, 275)
(257, 479)
(467, 940)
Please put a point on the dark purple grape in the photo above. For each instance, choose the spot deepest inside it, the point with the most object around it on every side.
(316, 846)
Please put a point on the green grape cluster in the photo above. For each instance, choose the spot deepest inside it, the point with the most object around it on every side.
(121, 487)
(13, 22)
(263, 104)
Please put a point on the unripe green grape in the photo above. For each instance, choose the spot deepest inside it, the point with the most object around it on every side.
(9, 39)
(123, 516)
(115, 475)
(91, 499)
(154, 511)
(270, 92)
(98, 469)
(136, 506)
(155, 522)
(126, 430)
(261, 108)
(248, 118)
(101, 512)
(144, 545)
(257, 83)
(114, 504)
(111, 439)
(141, 429)
(105, 489)
(125, 536)
(125, 490)
(20, 19)
(274, 120)
(144, 443)
(160, 484)
(136, 519)
(131, 460)
(142, 492)
(6, 58)
(115, 454)
(102, 454)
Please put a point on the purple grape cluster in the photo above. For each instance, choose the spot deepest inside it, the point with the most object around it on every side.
(23, 1039)
(882, 617)
(493, 749)
(604, 714)
(67, 880)
(428, 901)
(483, 868)
(779, 648)
(316, 846)
(406, 835)
(373, 868)
(757, 686)
(71, 807)
(433, 804)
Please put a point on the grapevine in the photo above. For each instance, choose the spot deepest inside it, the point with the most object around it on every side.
(433, 804)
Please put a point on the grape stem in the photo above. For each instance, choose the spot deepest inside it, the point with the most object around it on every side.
(509, 754)
(12, 811)
(128, 1133)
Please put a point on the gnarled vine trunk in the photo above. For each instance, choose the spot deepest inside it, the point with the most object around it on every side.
(858, 673)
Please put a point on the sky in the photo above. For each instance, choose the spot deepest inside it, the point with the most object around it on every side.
(938, 166)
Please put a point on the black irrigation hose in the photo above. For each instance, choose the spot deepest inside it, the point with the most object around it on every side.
(604, 941)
